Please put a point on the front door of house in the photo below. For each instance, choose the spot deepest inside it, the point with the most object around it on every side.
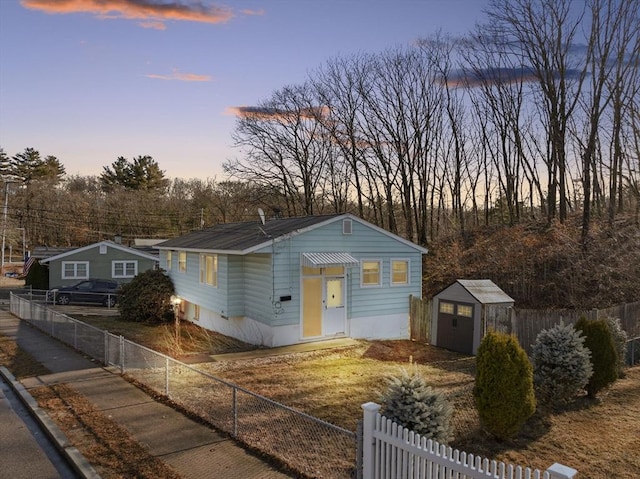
(334, 310)
(323, 302)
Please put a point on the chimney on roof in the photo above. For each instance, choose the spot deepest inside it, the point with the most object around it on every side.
(117, 239)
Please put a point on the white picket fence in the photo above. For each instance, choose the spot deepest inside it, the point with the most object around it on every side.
(391, 451)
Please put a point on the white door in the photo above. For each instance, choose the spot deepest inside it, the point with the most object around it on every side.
(334, 317)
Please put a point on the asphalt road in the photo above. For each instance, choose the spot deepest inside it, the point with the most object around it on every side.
(26, 451)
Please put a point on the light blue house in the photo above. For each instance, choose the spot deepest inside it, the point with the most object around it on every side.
(291, 280)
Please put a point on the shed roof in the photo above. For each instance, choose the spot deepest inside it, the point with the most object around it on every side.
(485, 291)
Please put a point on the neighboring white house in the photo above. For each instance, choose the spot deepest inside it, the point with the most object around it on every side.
(291, 280)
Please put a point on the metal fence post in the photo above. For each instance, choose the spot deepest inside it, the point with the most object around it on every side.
(370, 410)
(106, 347)
(235, 411)
(121, 354)
(166, 377)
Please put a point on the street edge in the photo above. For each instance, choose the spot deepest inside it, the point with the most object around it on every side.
(73, 455)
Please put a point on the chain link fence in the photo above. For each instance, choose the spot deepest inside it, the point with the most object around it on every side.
(303, 443)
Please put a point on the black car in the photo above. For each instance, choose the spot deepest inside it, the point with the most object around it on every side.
(102, 291)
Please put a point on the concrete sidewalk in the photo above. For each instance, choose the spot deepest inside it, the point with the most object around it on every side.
(192, 449)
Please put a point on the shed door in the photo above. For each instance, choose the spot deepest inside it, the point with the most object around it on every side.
(455, 327)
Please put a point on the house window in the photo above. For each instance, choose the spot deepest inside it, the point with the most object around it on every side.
(446, 308)
(466, 311)
(169, 260)
(399, 272)
(209, 269)
(371, 272)
(75, 270)
(347, 227)
(124, 269)
(182, 261)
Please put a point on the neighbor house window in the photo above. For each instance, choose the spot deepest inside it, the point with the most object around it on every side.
(209, 269)
(75, 269)
(169, 260)
(124, 269)
(182, 261)
(399, 271)
(371, 272)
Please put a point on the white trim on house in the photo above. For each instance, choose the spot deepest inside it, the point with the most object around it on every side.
(110, 244)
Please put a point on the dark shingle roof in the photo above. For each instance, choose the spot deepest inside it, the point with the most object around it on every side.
(241, 236)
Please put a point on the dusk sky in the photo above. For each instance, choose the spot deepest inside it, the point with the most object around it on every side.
(91, 80)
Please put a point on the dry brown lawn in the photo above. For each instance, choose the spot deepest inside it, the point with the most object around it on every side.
(600, 439)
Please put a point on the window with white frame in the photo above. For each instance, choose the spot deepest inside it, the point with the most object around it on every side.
(75, 269)
(209, 269)
(124, 269)
(399, 272)
(169, 260)
(182, 261)
(371, 272)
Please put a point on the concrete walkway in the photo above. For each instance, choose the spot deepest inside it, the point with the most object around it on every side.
(192, 449)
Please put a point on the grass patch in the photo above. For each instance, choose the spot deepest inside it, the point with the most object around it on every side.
(194, 340)
(19, 362)
(105, 444)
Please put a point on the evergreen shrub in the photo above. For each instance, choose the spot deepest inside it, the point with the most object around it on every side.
(561, 364)
(410, 402)
(604, 358)
(147, 298)
(504, 392)
(620, 337)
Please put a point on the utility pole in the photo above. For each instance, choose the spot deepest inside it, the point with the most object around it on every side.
(4, 222)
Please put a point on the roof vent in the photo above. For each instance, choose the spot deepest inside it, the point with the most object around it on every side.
(347, 227)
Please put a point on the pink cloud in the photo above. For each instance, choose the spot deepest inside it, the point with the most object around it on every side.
(151, 12)
(176, 75)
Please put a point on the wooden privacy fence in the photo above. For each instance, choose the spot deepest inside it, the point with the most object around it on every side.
(420, 312)
(391, 451)
(525, 324)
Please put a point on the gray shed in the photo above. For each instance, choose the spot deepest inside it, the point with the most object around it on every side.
(459, 313)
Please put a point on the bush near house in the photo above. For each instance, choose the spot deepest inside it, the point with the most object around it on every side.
(503, 391)
(410, 402)
(147, 298)
(604, 358)
(619, 336)
(561, 365)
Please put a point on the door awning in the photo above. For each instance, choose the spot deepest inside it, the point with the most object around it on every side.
(324, 260)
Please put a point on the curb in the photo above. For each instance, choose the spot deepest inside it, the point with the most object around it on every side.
(73, 455)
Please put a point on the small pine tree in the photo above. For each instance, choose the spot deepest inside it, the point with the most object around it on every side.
(619, 336)
(604, 358)
(503, 391)
(410, 402)
(147, 298)
(561, 364)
